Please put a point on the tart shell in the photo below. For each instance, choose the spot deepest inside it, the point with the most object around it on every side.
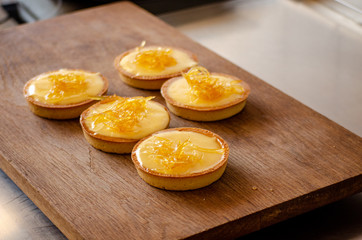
(148, 82)
(205, 114)
(60, 112)
(186, 181)
(107, 143)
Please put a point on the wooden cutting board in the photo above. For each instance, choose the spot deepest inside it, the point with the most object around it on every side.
(285, 158)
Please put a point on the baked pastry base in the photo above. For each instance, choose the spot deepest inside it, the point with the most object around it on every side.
(59, 112)
(120, 146)
(182, 183)
(207, 115)
(149, 84)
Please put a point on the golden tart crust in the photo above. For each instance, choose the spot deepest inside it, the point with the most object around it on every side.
(149, 82)
(206, 113)
(107, 143)
(183, 182)
(61, 111)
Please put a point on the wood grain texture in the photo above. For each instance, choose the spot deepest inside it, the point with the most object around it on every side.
(285, 159)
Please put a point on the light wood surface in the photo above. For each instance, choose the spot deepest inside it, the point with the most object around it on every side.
(285, 159)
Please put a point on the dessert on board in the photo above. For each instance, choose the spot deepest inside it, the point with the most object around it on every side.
(181, 158)
(65, 93)
(148, 67)
(116, 124)
(202, 96)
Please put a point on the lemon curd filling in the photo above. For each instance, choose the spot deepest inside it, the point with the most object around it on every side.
(179, 152)
(200, 88)
(153, 61)
(129, 118)
(65, 87)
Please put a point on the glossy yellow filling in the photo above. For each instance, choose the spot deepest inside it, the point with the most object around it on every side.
(65, 87)
(154, 61)
(209, 87)
(129, 118)
(181, 92)
(179, 152)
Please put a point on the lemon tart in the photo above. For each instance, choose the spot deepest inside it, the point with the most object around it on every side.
(149, 67)
(115, 124)
(202, 96)
(181, 158)
(63, 94)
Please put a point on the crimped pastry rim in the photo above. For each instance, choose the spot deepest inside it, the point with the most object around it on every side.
(63, 106)
(108, 138)
(236, 101)
(118, 66)
(220, 164)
